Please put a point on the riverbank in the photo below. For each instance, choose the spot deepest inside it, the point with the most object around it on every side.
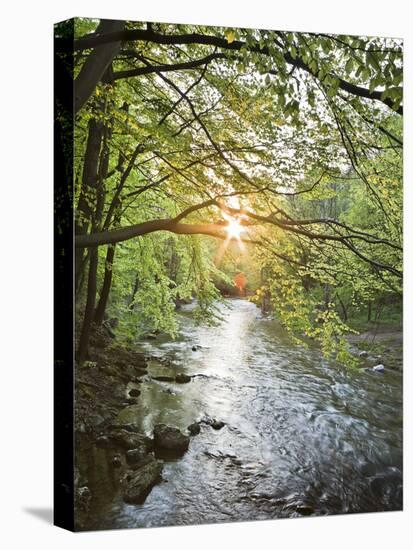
(108, 387)
(105, 386)
(381, 344)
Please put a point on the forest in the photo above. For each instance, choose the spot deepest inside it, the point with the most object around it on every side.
(259, 170)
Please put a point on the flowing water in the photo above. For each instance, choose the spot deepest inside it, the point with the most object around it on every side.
(301, 436)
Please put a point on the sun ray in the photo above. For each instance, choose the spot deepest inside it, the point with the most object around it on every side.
(233, 229)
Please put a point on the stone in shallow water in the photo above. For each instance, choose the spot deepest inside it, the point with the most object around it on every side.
(138, 483)
(162, 378)
(167, 438)
(378, 368)
(194, 428)
(182, 378)
(217, 424)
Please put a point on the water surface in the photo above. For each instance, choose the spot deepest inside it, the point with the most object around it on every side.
(302, 435)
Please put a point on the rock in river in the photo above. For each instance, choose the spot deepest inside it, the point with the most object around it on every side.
(162, 378)
(194, 428)
(170, 439)
(182, 378)
(134, 392)
(378, 368)
(217, 424)
(138, 483)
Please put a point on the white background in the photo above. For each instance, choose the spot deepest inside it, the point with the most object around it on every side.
(26, 274)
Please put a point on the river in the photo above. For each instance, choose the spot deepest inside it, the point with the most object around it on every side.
(302, 435)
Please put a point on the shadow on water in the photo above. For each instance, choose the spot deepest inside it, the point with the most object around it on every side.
(302, 436)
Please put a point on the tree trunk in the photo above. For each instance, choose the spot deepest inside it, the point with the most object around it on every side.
(90, 307)
(87, 191)
(135, 290)
(97, 63)
(343, 308)
(96, 218)
(327, 295)
(106, 286)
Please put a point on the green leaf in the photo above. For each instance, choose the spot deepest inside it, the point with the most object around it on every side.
(349, 65)
(230, 36)
(372, 60)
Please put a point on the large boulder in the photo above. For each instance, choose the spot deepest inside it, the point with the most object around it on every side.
(169, 440)
(138, 483)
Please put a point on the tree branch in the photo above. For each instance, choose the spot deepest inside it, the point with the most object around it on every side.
(93, 40)
(167, 68)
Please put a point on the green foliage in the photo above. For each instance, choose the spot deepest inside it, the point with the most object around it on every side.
(272, 128)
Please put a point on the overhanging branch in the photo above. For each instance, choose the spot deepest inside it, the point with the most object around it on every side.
(148, 35)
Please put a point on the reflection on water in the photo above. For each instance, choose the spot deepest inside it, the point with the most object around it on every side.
(302, 435)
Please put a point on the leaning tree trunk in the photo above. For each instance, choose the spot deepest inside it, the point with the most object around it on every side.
(97, 63)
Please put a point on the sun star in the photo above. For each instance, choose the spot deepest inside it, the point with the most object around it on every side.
(234, 228)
